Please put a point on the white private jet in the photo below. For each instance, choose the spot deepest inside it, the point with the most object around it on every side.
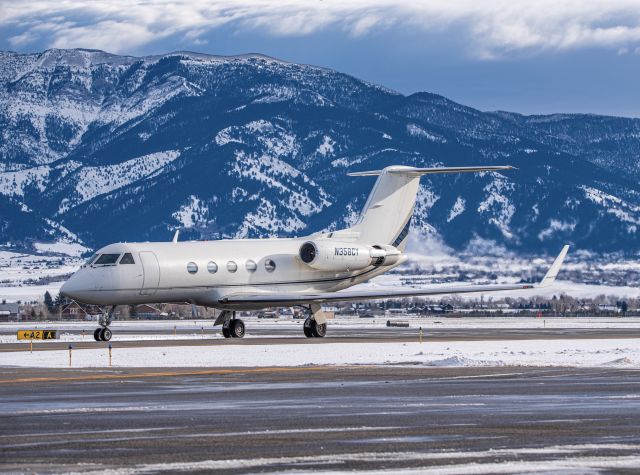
(250, 274)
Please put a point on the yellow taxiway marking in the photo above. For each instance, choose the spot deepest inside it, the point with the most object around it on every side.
(159, 374)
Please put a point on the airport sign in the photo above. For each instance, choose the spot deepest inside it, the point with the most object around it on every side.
(38, 334)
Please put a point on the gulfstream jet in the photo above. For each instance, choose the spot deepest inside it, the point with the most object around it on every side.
(250, 274)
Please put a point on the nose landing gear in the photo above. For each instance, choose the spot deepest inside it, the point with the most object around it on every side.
(104, 333)
(232, 327)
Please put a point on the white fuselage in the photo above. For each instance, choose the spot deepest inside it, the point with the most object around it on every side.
(165, 272)
(251, 273)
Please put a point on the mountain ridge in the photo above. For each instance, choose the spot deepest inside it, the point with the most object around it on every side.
(252, 146)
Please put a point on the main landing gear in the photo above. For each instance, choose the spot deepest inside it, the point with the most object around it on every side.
(104, 333)
(315, 326)
(233, 327)
(314, 329)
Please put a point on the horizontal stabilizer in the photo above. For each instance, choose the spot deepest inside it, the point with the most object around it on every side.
(414, 172)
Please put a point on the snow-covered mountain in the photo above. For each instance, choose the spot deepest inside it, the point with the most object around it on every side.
(98, 148)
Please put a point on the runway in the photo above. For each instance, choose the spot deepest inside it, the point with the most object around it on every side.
(260, 334)
(333, 419)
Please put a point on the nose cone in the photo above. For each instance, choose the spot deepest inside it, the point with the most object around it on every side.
(79, 286)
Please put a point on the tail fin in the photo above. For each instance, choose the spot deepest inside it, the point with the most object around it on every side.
(386, 216)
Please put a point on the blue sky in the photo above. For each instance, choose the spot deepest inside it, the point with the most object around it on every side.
(529, 56)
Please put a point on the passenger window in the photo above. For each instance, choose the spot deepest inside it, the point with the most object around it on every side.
(107, 259)
(232, 266)
(212, 267)
(269, 265)
(127, 259)
(251, 265)
(192, 268)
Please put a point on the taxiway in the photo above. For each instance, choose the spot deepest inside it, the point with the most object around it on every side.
(333, 419)
(131, 335)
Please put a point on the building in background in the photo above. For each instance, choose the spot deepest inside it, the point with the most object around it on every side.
(10, 312)
(75, 311)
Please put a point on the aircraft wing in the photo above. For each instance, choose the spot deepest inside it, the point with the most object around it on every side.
(276, 299)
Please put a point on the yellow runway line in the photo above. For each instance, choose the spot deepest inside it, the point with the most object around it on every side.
(97, 377)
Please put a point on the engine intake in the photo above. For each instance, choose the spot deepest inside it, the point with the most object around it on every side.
(308, 252)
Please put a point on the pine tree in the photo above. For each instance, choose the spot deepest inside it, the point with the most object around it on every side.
(59, 302)
(48, 301)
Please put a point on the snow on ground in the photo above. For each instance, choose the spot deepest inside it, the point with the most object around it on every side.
(67, 248)
(566, 459)
(19, 267)
(579, 353)
(572, 289)
(94, 181)
(29, 293)
(216, 353)
(19, 271)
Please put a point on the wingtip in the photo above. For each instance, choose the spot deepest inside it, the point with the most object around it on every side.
(553, 271)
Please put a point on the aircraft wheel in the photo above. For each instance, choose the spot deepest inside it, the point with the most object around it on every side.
(319, 329)
(96, 334)
(237, 328)
(105, 334)
(309, 323)
(226, 332)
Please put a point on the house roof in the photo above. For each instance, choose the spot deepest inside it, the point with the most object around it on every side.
(11, 307)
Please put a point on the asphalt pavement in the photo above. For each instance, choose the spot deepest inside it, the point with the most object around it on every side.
(335, 419)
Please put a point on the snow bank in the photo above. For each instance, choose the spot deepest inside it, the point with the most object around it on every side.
(577, 353)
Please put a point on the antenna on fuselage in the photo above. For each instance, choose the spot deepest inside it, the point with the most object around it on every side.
(175, 236)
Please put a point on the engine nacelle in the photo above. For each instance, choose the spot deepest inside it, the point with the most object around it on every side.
(390, 255)
(345, 256)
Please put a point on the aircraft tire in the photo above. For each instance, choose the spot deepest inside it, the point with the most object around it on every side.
(105, 334)
(237, 328)
(226, 331)
(319, 329)
(96, 334)
(314, 329)
(307, 327)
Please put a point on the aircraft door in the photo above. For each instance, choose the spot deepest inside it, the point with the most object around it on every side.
(151, 270)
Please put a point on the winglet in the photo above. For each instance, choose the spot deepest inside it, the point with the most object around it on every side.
(552, 273)
(175, 236)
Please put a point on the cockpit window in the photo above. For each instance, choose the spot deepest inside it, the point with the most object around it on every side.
(127, 259)
(91, 259)
(107, 259)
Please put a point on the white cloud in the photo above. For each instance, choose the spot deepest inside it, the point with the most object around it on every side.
(495, 28)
